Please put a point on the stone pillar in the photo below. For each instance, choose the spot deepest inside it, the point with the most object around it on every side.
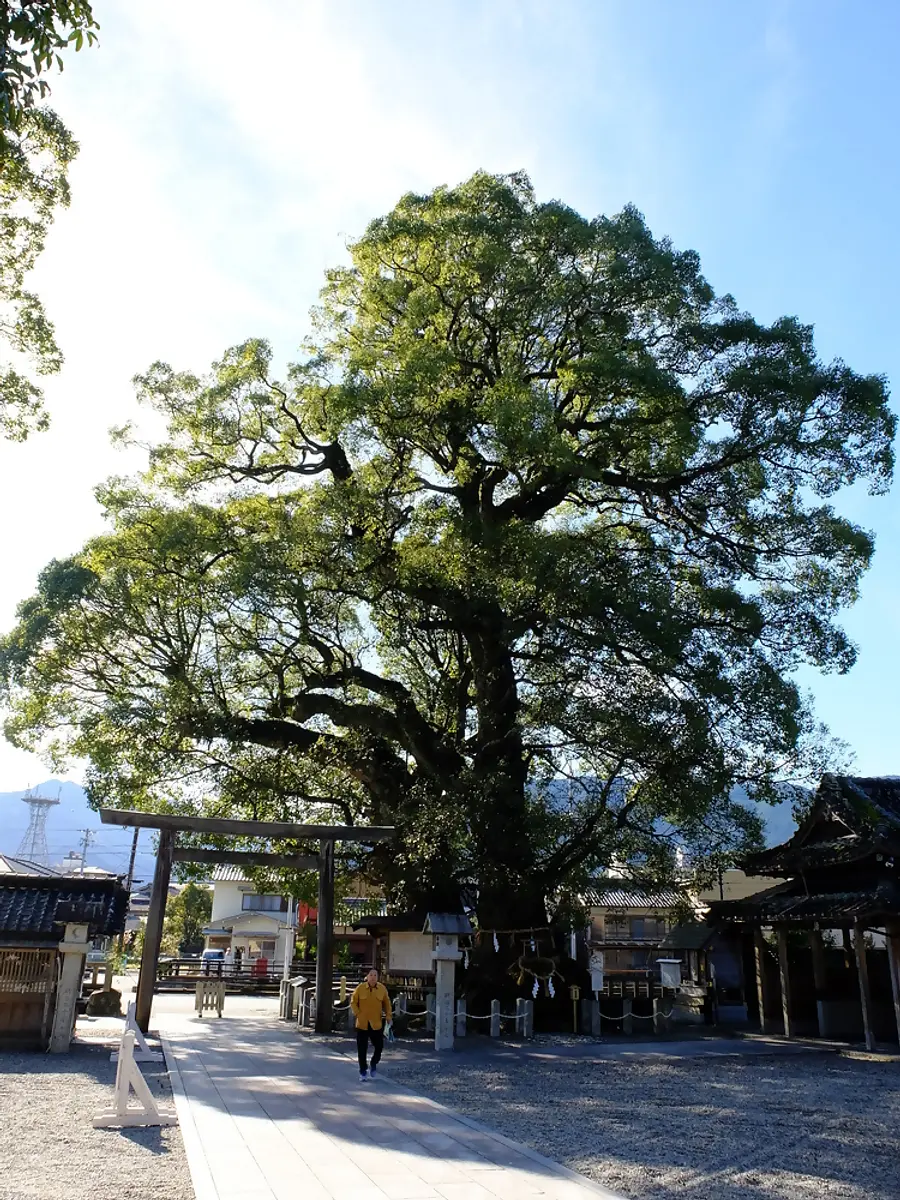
(596, 1020)
(865, 994)
(430, 1012)
(762, 989)
(784, 971)
(461, 1017)
(893, 949)
(820, 979)
(325, 937)
(528, 1030)
(73, 950)
(156, 914)
(520, 1016)
(446, 955)
(495, 1018)
(585, 1015)
(627, 1023)
(659, 1016)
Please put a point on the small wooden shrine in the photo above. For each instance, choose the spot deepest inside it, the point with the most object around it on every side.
(840, 879)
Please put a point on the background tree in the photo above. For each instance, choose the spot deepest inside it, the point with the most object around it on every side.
(187, 914)
(521, 559)
(36, 151)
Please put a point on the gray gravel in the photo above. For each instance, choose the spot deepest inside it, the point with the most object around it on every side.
(50, 1151)
(805, 1127)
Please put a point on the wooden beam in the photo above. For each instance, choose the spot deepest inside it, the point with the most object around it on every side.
(246, 858)
(271, 830)
(156, 914)
(820, 979)
(893, 949)
(325, 937)
(760, 954)
(865, 993)
(784, 971)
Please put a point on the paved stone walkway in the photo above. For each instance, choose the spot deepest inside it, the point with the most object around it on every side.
(269, 1115)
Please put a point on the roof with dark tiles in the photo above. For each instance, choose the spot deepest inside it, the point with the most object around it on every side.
(38, 907)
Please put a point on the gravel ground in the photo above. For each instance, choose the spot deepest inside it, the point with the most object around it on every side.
(806, 1127)
(50, 1151)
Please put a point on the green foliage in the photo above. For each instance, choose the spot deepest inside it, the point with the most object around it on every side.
(32, 34)
(36, 151)
(186, 916)
(33, 184)
(520, 559)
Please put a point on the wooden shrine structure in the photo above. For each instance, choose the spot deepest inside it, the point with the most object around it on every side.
(839, 873)
(169, 826)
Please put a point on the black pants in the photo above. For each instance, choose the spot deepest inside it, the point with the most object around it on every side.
(362, 1045)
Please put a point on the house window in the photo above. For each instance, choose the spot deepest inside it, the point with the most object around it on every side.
(616, 928)
(264, 903)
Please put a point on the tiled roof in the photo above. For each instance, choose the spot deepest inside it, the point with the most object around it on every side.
(852, 818)
(227, 873)
(38, 907)
(692, 935)
(617, 894)
(786, 904)
(22, 866)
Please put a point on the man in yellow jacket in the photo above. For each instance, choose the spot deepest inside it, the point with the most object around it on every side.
(371, 1006)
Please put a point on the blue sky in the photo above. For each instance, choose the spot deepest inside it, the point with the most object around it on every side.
(230, 150)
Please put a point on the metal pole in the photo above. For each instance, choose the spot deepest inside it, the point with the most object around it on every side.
(130, 880)
(325, 936)
(153, 933)
(289, 939)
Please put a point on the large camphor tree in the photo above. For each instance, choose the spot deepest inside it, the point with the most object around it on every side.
(520, 558)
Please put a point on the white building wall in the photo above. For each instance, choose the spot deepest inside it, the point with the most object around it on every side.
(227, 899)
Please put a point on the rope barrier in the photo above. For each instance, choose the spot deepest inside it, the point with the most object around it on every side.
(636, 1016)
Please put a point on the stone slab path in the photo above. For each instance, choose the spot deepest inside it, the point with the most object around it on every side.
(267, 1114)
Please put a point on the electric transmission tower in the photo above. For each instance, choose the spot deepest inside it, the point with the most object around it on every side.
(33, 845)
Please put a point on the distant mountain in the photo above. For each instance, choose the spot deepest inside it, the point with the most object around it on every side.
(778, 818)
(110, 846)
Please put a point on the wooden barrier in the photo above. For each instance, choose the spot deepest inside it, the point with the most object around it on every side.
(128, 1079)
(209, 995)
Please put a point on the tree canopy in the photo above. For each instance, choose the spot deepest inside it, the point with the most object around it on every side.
(520, 558)
(36, 151)
(32, 36)
(187, 914)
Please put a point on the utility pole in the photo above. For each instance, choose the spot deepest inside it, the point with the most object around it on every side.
(134, 845)
(87, 838)
(130, 880)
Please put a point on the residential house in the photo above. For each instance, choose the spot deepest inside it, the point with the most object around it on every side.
(266, 925)
(244, 920)
(627, 925)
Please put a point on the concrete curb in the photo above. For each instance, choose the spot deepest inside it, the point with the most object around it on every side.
(201, 1176)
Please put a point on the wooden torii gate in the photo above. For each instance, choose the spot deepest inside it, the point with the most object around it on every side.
(170, 826)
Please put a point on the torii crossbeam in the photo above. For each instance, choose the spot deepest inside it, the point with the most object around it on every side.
(170, 826)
